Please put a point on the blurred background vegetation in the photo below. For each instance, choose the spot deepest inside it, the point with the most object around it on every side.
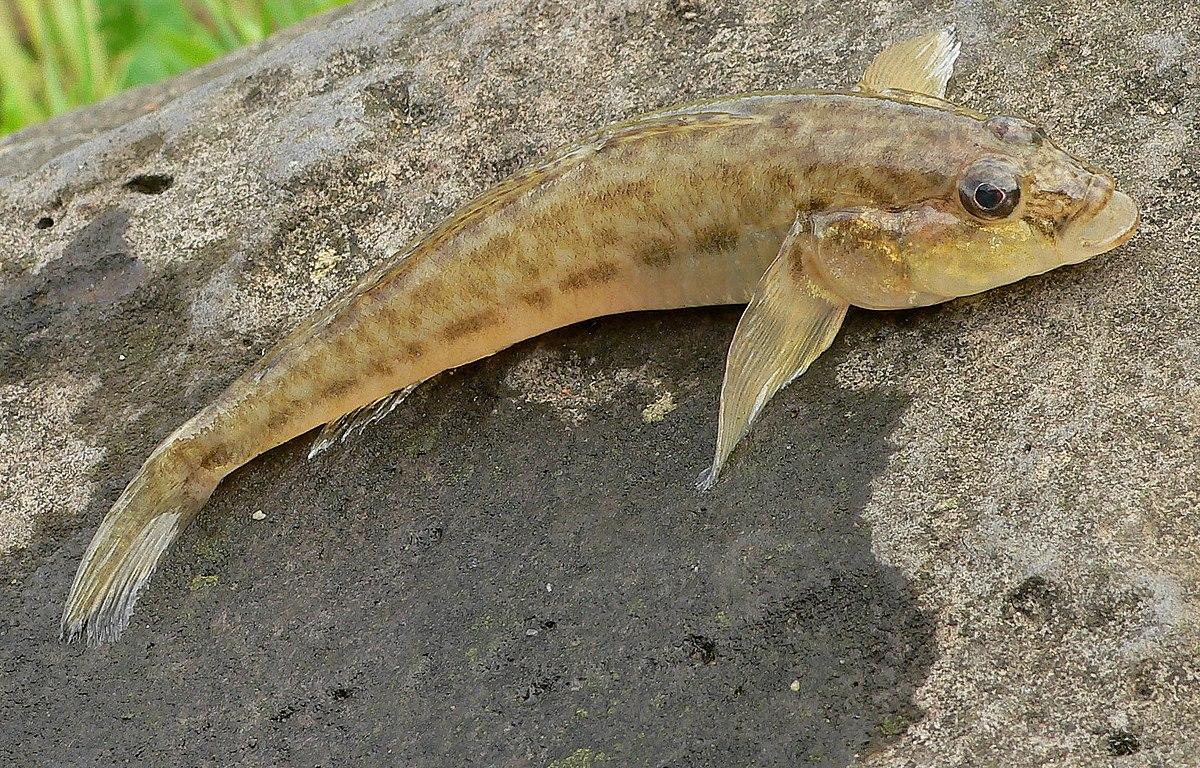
(56, 55)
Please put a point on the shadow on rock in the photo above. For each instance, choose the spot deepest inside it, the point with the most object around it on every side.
(477, 581)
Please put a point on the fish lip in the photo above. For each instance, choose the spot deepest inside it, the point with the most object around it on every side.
(1114, 223)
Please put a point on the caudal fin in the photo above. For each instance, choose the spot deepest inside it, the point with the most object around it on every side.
(160, 502)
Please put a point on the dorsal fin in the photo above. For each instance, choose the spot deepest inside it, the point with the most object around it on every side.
(356, 421)
(919, 64)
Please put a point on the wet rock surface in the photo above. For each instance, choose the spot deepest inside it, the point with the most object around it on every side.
(967, 537)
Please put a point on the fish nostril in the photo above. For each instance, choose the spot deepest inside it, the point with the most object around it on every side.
(1097, 193)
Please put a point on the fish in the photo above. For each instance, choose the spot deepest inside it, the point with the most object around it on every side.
(798, 204)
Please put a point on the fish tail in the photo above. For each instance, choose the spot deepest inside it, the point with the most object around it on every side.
(161, 501)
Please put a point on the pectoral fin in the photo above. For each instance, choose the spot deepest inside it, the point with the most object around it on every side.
(789, 322)
(920, 64)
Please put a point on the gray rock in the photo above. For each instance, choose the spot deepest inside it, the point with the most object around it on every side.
(967, 537)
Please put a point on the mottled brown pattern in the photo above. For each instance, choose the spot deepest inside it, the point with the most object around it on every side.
(618, 195)
(215, 457)
(606, 236)
(481, 290)
(423, 294)
(469, 325)
(715, 239)
(588, 276)
(539, 298)
(528, 266)
(658, 253)
(498, 247)
(337, 388)
(781, 178)
(278, 418)
(552, 222)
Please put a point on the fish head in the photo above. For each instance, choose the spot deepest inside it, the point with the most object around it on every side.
(1020, 206)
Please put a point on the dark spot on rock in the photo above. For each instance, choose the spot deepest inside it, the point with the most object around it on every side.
(1143, 681)
(507, 166)
(95, 268)
(150, 183)
(1122, 744)
(350, 61)
(109, 278)
(700, 649)
(265, 86)
(307, 228)
(686, 10)
(1033, 599)
(389, 96)
(44, 223)
(341, 694)
(1113, 603)
(544, 681)
(426, 537)
(283, 715)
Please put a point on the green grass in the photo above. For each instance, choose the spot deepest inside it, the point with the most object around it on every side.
(56, 55)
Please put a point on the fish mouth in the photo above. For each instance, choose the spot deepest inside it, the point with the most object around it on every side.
(1114, 222)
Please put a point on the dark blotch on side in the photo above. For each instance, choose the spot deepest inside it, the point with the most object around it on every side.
(584, 278)
(539, 298)
(337, 388)
(468, 325)
(715, 239)
(781, 179)
(656, 254)
(277, 419)
(216, 457)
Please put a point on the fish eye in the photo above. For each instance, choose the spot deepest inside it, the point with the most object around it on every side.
(989, 190)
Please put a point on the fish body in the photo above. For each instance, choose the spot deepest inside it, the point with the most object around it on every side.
(797, 203)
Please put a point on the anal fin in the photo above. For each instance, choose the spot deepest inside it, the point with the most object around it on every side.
(354, 422)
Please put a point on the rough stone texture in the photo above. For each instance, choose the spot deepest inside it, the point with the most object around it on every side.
(968, 537)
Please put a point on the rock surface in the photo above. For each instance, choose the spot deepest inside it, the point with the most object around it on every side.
(968, 537)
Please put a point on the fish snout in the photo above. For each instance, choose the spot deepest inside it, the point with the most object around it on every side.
(1108, 218)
